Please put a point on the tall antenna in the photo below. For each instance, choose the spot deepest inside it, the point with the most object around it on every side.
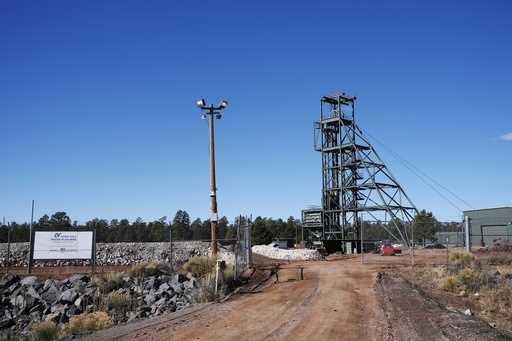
(355, 180)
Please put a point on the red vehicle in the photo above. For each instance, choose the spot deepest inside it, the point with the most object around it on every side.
(387, 248)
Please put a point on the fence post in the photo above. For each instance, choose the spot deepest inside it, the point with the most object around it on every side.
(248, 244)
(217, 278)
(237, 246)
(8, 246)
(170, 247)
(466, 233)
(94, 251)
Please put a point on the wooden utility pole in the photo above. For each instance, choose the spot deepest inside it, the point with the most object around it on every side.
(30, 241)
(212, 112)
(213, 185)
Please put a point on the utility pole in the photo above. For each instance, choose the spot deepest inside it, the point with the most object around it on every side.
(212, 112)
(30, 240)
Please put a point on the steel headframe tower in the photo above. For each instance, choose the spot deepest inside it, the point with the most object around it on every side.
(355, 180)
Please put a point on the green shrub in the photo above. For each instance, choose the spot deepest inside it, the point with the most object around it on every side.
(200, 266)
(460, 260)
(469, 279)
(88, 322)
(45, 331)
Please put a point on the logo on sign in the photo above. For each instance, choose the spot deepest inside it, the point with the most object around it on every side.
(61, 236)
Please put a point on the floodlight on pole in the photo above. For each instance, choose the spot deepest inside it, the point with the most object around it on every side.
(223, 104)
(201, 103)
(210, 111)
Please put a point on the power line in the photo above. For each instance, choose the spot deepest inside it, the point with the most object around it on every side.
(421, 175)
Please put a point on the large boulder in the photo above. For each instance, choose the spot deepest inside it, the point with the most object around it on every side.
(30, 281)
(150, 298)
(8, 280)
(68, 296)
(51, 294)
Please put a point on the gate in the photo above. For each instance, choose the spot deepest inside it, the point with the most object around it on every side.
(243, 247)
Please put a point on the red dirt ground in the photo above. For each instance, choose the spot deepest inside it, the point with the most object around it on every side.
(339, 299)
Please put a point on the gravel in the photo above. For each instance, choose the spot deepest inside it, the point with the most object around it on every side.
(286, 254)
(122, 254)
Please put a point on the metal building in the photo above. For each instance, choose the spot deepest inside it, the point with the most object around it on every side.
(356, 184)
(450, 238)
(486, 225)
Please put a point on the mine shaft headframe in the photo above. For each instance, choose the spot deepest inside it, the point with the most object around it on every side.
(355, 180)
(338, 97)
(338, 104)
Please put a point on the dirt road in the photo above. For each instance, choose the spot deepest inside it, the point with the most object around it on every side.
(339, 299)
(335, 299)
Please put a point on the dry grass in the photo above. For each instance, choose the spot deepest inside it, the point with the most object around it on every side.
(109, 281)
(496, 304)
(119, 300)
(448, 283)
(206, 292)
(501, 258)
(88, 322)
(200, 266)
(45, 331)
(469, 279)
(460, 260)
(120, 303)
(229, 279)
(147, 269)
(504, 269)
(466, 274)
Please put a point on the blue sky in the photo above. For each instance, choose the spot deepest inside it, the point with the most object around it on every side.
(98, 117)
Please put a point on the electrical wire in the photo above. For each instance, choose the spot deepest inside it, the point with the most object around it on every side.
(422, 175)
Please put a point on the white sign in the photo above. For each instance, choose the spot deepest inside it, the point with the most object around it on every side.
(63, 244)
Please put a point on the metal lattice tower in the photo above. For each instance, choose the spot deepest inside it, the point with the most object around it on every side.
(356, 184)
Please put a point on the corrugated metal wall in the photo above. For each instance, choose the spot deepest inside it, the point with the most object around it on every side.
(487, 225)
(450, 238)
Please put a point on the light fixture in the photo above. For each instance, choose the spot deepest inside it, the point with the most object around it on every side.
(203, 116)
(201, 102)
(218, 116)
(223, 104)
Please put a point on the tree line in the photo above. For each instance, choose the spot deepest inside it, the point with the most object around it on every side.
(182, 228)
(264, 230)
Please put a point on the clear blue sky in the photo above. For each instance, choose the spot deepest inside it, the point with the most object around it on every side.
(98, 117)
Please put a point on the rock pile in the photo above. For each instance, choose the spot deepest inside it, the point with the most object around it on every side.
(29, 300)
(116, 253)
(285, 254)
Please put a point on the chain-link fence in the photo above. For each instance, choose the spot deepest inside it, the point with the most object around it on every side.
(243, 248)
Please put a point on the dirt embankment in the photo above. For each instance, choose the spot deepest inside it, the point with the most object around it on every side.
(411, 315)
